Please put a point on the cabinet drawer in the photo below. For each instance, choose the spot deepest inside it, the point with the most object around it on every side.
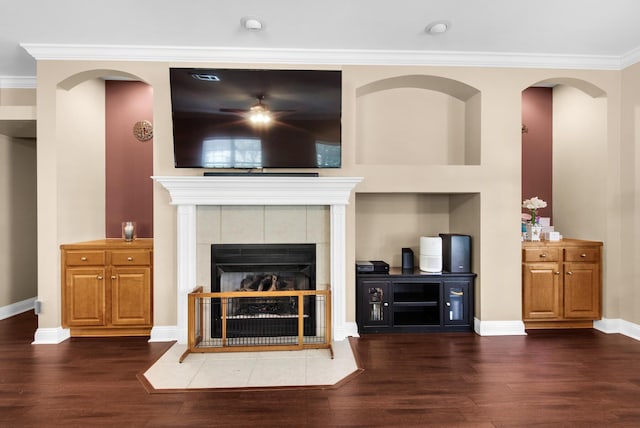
(130, 258)
(540, 255)
(590, 254)
(84, 258)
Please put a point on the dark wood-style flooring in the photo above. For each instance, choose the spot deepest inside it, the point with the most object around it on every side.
(581, 378)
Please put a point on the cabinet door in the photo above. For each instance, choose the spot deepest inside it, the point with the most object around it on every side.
(373, 304)
(457, 310)
(541, 291)
(84, 297)
(130, 296)
(582, 291)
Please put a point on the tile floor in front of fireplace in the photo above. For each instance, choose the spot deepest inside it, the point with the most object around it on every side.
(310, 367)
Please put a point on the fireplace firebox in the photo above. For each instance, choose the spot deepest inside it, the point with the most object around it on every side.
(263, 268)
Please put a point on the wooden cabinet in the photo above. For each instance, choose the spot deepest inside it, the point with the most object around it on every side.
(107, 287)
(414, 302)
(561, 283)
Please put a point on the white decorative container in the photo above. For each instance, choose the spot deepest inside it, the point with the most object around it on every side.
(431, 254)
(534, 231)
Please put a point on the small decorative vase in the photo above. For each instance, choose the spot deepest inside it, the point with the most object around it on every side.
(129, 230)
(533, 232)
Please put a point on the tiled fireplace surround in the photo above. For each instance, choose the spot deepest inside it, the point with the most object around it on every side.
(271, 192)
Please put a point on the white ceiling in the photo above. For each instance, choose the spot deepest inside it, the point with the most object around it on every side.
(551, 33)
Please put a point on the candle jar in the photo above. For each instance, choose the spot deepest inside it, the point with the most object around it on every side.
(129, 230)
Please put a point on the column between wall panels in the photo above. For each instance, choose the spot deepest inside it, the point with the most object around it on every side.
(338, 270)
(186, 269)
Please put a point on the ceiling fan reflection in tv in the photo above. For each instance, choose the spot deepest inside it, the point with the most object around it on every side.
(258, 114)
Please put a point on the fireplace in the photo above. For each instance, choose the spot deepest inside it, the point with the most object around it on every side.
(262, 268)
(189, 192)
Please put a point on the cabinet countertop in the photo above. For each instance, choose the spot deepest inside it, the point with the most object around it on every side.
(397, 271)
(111, 243)
(561, 243)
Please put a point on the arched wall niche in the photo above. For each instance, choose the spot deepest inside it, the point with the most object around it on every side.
(583, 85)
(103, 169)
(105, 74)
(417, 120)
(573, 170)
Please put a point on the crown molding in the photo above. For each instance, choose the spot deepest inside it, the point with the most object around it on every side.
(318, 56)
(630, 58)
(18, 82)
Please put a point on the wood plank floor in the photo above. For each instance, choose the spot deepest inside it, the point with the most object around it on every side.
(579, 378)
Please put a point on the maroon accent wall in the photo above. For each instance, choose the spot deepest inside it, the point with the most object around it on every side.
(129, 162)
(537, 146)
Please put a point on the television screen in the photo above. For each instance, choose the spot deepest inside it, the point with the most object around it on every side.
(248, 118)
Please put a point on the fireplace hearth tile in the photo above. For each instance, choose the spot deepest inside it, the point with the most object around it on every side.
(224, 373)
(229, 370)
(278, 372)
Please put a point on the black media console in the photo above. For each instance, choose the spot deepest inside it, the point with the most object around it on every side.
(414, 302)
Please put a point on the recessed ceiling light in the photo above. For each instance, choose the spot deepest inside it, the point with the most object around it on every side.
(251, 24)
(438, 27)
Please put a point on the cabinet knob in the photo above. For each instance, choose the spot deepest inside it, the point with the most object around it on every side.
(114, 277)
(99, 277)
(385, 304)
(543, 255)
(84, 259)
(557, 272)
(448, 303)
(130, 259)
(569, 273)
(583, 255)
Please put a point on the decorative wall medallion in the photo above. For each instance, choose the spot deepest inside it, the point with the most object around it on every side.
(143, 130)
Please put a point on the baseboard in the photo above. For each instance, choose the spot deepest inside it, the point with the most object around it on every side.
(345, 330)
(498, 328)
(164, 333)
(51, 336)
(17, 308)
(626, 328)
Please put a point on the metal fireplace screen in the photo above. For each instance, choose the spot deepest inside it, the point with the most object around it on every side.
(262, 268)
(260, 315)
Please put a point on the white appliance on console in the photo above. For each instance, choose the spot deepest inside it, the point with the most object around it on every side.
(431, 254)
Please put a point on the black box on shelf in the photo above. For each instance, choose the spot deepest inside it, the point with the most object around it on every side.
(456, 253)
(372, 266)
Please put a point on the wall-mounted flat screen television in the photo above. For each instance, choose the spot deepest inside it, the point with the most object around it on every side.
(255, 118)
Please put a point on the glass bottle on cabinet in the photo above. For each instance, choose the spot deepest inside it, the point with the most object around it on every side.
(376, 299)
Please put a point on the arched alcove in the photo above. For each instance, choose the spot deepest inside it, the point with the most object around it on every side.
(573, 170)
(417, 120)
(103, 169)
(102, 74)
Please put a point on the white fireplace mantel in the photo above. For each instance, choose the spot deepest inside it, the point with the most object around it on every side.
(187, 192)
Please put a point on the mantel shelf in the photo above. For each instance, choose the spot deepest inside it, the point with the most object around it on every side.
(258, 190)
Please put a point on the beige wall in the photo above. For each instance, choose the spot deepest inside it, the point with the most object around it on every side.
(17, 97)
(409, 126)
(18, 264)
(629, 295)
(483, 193)
(579, 139)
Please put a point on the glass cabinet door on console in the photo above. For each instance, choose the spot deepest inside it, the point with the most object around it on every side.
(373, 305)
(456, 303)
